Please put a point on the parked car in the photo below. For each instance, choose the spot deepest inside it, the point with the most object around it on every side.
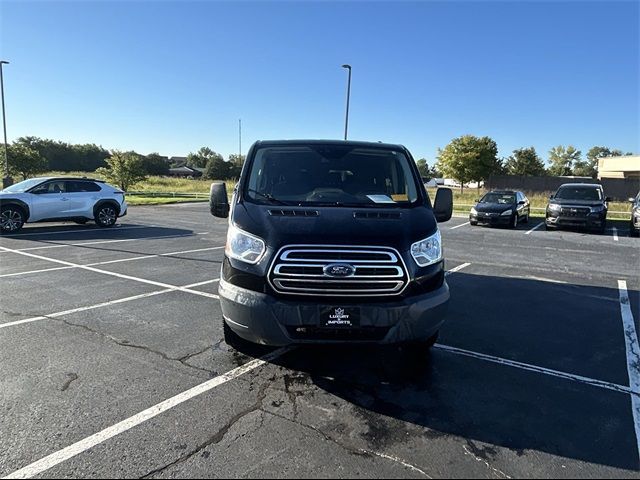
(52, 199)
(332, 242)
(634, 223)
(501, 207)
(581, 205)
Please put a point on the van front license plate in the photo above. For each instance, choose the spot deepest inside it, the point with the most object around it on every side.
(340, 317)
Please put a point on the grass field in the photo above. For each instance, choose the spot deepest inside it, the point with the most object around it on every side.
(157, 184)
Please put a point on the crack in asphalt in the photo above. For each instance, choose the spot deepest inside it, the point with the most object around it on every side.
(218, 436)
(480, 455)
(71, 377)
(126, 343)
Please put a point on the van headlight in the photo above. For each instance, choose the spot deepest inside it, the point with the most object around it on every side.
(243, 246)
(427, 251)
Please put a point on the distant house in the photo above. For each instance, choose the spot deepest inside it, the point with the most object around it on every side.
(186, 172)
(178, 161)
(627, 166)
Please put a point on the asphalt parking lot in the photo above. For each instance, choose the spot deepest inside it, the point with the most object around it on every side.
(113, 364)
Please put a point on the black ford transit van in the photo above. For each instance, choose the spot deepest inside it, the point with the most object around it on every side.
(331, 242)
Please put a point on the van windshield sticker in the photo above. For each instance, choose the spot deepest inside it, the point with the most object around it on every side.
(380, 198)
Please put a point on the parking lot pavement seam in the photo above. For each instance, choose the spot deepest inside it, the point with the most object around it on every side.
(113, 274)
(109, 262)
(104, 304)
(127, 424)
(496, 471)
(218, 436)
(101, 242)
(536, 369)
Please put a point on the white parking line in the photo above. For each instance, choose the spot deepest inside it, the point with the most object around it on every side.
(71, 451)
(633, 354)
(104, 304)
(534, 368)
(528, 232)
(101, 242)
(113, 274)
(108, 262)
(461, 225)
(456, 269)
(615, 234)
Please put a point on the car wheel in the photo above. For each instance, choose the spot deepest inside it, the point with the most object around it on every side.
(106, 215)
(526, 219)
(549, 227)
(632, 231)
(11, 219)
(514, 222)
(472, 222)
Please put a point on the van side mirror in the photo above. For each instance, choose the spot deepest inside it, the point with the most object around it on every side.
(608, 199)
(443, 205)
(551, 197)
(218, 200)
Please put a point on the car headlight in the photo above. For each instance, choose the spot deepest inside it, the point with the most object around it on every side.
(597, 209)
(506, 212)
(474, 211)
(427, 251)
(554, 207)
(243, 246)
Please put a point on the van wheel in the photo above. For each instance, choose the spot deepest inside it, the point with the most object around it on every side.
(106, 215)
(232, 339)
(11, 219)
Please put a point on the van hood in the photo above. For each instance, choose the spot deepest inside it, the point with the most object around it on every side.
(391, 227)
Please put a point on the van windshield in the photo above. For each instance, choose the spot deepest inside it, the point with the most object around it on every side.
(331, 175)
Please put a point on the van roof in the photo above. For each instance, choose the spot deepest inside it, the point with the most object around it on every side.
(269, 143)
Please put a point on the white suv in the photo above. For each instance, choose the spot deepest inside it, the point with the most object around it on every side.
(50, 199)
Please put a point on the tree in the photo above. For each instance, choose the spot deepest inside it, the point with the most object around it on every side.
(24, 161)
(524, 161)
(201, 158)
(237, 159)
(155, 164)
(589, 167)
(423, 168)
(124, 169)
(562, 160)
(217, 169)
(469, 158)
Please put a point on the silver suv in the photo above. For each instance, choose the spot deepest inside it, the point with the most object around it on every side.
(52, 199)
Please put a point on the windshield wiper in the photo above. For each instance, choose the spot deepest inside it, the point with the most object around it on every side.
(267, 196)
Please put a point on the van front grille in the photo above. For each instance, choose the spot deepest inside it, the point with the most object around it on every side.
(302, 270)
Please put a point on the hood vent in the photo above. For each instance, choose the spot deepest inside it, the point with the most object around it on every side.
(294, 213)
(377, 215)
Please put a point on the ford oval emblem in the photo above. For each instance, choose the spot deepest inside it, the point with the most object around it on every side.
(339, 270)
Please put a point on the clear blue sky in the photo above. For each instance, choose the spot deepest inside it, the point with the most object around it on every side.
(174, 76)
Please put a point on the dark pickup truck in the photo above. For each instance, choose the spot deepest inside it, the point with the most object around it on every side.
(332, 242)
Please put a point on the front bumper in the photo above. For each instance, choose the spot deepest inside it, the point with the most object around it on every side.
(490, 219)
(590, 221)
(264, 319)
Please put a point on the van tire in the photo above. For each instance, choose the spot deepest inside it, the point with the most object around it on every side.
(232, 339)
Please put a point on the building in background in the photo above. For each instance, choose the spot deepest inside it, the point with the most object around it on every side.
(619, 167)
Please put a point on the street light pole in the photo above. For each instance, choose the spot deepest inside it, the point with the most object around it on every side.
(4, 124)
(346, 120)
